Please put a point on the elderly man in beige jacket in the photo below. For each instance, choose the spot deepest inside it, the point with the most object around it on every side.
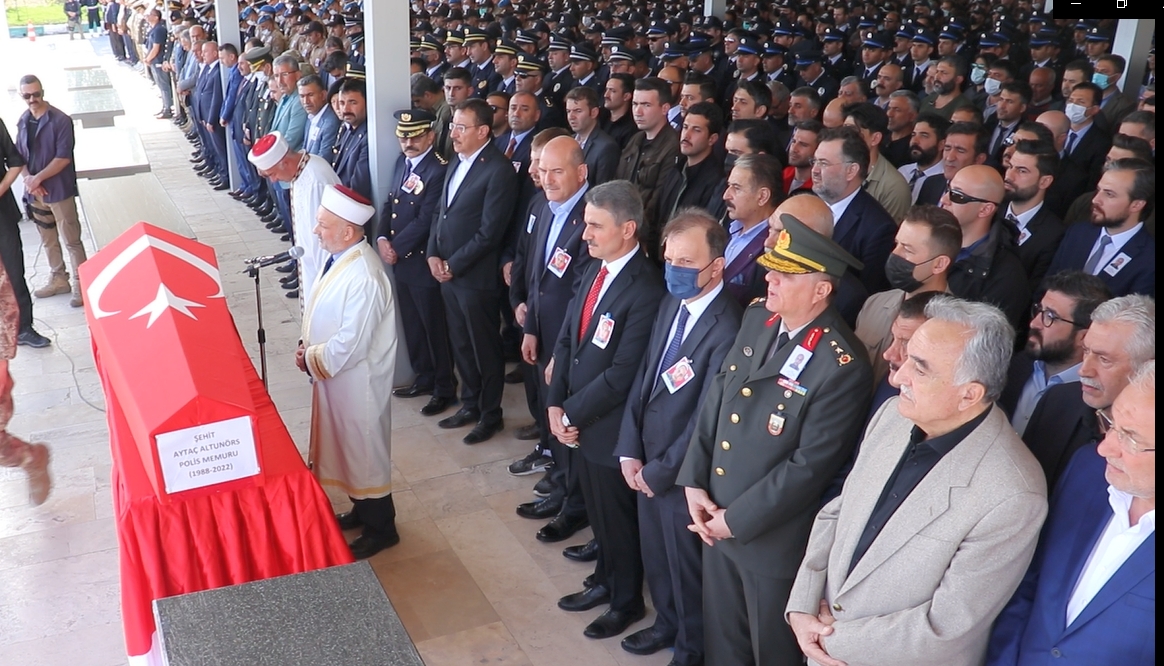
(939, 518)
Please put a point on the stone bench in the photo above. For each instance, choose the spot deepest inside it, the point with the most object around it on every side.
(87, 79)
(109, 152)
(338, 615)
(94, 108)
(112, 205)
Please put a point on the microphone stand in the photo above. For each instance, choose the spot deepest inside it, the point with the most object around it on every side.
(253, 271)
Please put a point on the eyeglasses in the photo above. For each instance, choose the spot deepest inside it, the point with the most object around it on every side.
(36, 94)
(460, 128)
(1107, 426)
(959, 197)
(1049, 316)
(824, 164)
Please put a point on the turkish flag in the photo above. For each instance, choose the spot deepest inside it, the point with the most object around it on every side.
(170, 360)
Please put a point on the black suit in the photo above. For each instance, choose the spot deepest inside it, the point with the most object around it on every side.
(1080, 170)
(405, 221)
(932, 189)
(547, 297)
(1060, 425)
(468, 234)
(1036, 248)
(591, 385)
(601, 154)
(656, 429)
(866, 231)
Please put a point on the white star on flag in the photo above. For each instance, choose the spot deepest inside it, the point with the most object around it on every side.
(166, 299)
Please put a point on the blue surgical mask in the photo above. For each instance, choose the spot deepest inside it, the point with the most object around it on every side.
(977, 74)
(992, 86)
(1100, 80)
(682, 282)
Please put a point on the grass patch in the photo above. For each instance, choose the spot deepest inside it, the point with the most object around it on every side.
(39, 15)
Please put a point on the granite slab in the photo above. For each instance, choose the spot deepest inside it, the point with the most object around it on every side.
(337, 615)
(94, 108)
(87, 79)
(109, 152)
(112, 205)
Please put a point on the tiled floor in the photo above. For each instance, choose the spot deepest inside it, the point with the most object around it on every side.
(469, 580)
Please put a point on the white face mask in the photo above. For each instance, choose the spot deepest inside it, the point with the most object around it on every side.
(977, 75)
(261, 77)
(992, 86)
(1076, 113)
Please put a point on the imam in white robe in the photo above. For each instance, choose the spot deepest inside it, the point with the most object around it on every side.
(306, 192)
(349, 332)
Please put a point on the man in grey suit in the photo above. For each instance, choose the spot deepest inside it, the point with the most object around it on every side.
(322, 123)
(939, 518)
(695, 327)
(778, 421)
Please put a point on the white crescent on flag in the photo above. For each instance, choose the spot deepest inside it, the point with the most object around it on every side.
(165, 298)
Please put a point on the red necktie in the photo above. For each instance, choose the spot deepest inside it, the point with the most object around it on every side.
(591, 301)
(512, 146)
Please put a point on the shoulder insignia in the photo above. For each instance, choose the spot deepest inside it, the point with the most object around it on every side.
(441, 159)
(758, 299)
(844, 359)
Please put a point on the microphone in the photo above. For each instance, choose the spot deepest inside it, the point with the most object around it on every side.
(261, 262)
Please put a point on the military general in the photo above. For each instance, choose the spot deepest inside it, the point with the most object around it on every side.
(777, 423)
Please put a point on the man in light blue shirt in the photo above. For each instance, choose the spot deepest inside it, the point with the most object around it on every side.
(291, 121)
(1054, 351)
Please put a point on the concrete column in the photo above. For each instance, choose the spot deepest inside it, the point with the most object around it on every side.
(1133, 39)
(386, 42)
(226, 22)
(714, 7)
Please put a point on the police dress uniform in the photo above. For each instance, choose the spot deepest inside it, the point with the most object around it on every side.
(405, 221)
(776, 425)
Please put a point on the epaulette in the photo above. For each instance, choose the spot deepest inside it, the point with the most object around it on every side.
(441, 159)
(843, 357)
(758, 299)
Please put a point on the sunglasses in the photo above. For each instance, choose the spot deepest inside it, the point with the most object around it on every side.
(32, 95)
(959, 197)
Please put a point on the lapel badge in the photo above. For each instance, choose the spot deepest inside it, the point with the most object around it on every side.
(775, 425)
(748, 351)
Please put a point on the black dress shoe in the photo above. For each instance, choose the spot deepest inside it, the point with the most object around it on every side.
(462, 418)
(274, 224)
(483, 431)
(587, 552)
(540, 510)
(437, 405)
(285, 238)
(585, 600)
(30, 338)
(349, 520)
(588, 582)
(612, 622)
(366, 546)
(236, 194)
(291, 284)
(294, 293)
(528, 433)
(413, 391)
(286, 279)
(221, 186)
(514, 376)
(647, 641)
(269, 217)
(288, 267)
(215, 180)
(561, 528)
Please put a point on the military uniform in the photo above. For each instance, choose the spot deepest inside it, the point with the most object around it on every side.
(405, 222)
(776, 425)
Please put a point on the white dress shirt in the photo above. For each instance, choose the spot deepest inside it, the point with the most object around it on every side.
(906, 172)
(841, 206)
(613, 268)
(1118, 241)
(1116, 544)
(460, 172)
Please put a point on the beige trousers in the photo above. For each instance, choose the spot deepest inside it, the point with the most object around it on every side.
(54, 221)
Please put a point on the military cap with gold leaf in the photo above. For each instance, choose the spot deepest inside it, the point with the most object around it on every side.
(505, 47)
(529, 64)
(801, 250)
(412, 123)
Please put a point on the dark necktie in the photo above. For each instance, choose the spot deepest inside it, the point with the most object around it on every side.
(917, 174)
(511, 147)
(1093, 261)
(407, 171)
(327, 265)
(591, 301)
(672, 353)
(781, 340)
(1071, 138)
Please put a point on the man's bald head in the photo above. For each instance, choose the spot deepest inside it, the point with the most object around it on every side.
(980, 181)
(833, 114)
(1057, 122)
(564, 150)
(809, 209)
